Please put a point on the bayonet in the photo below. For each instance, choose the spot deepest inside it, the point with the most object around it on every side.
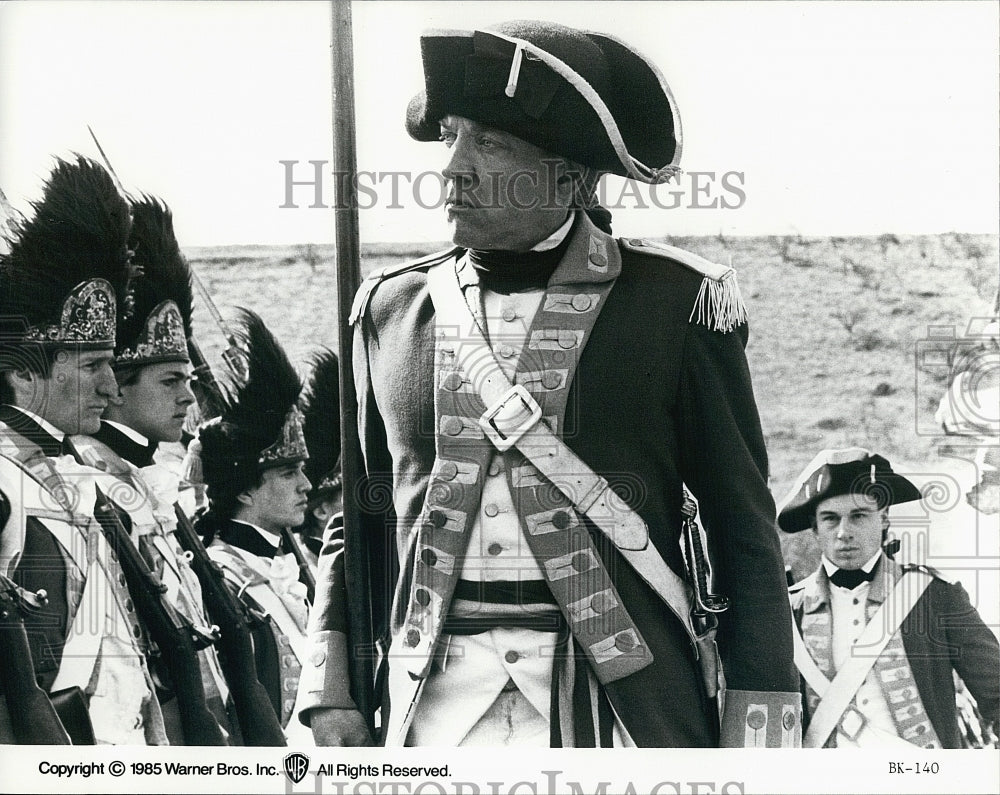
(233, 356)
(7, 216)
(107, 163)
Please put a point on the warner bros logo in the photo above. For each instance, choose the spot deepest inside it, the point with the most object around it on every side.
(296, 766)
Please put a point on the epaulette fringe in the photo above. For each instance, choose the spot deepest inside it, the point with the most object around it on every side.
(719, 304)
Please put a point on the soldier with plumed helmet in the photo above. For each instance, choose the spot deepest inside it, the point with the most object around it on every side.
(153, 369)
(253, 459)
(321, 426)
(67, 267)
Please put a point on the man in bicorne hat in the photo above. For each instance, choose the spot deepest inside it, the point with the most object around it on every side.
(153, 370)
(879, 641)
(58, 288)
(538, 397)
(253, 460)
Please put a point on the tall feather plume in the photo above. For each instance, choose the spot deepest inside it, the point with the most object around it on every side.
(272, 387)
(321, 410)
(79, 231)
(164, 272)
(254, 413)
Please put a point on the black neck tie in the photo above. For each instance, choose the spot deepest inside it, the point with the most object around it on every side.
(851, 578)
(509, 272)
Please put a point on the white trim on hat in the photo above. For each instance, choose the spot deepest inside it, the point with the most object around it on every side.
(515, 70)
(823, 458)
(675, 111)
(635, 168)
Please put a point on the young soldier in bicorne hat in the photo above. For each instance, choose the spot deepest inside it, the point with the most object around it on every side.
(910, 627)
(153, 370)
(252, 460)
(59, 285)
(539, 396)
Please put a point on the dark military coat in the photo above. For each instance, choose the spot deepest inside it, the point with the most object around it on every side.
(943, 632)
(275, 660)
(139, 456)
(43, 564)
(657, 401)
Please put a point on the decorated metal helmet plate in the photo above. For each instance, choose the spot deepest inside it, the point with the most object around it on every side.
(164, 338)
(291, 445)
(88, 318)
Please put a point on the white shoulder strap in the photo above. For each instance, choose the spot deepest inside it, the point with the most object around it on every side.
(588, 491)
(836, 695)
(258, 587)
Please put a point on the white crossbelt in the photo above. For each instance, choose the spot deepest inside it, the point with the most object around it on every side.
(251, 577)
(78, 536)
(836, 695)
(512, 419)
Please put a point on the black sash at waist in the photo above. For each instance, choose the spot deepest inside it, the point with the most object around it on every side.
(549, 621)
(542, 615)
(505, 592)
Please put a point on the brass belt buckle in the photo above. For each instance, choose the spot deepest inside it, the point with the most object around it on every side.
(852, 723)
(512, 416)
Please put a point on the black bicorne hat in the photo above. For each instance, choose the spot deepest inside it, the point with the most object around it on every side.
(158, 323)
(321, 425)
(66, 265)
(261, 425)
(836, 472)
(585, 96)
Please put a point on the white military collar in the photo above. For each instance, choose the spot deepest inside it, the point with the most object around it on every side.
(44, 424)
(131, 433)
(557, 237)
(832, 568)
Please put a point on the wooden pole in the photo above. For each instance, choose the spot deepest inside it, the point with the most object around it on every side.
(357, 561)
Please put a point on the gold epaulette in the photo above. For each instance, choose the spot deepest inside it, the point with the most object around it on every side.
(719, 305)
(379, 275)
(923, 567)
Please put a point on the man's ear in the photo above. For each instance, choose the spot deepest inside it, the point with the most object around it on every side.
(562, 169)
(28, 387)
(885, 518)
(567, 175)
(245, 498)
(24, 378)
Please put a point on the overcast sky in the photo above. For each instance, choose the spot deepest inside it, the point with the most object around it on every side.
(842, 118)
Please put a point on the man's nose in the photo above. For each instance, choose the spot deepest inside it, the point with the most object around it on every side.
(107, 384)
(186, 397)
(844, 529)
(459, 165)
(304, 485)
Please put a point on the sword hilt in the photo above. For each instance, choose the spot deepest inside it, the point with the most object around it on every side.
(705, 601)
